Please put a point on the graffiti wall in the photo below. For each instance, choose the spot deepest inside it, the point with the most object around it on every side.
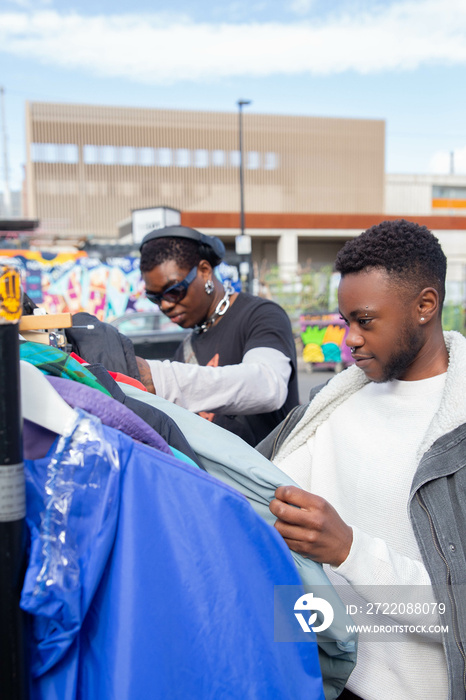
(76, 282)
(323, 339)
(72, 282)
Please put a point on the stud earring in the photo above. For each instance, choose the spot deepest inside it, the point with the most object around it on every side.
(422, 318)
(209, 287)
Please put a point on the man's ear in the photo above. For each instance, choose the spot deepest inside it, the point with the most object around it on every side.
(428, 305)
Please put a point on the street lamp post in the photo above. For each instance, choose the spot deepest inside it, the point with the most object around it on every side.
(241, 104)
(245, 271)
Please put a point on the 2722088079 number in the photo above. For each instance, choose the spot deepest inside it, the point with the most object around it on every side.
(399, 609)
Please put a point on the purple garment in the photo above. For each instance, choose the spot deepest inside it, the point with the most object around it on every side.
(37, 440)
(110, 411)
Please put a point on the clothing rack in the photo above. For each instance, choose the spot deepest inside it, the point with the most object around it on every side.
(14, 675)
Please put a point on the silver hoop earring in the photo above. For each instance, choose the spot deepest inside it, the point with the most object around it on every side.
(209, 287)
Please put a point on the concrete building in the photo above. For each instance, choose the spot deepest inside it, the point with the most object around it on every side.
(310, 183)
(426, 195)
(88, 167)
(441, 200)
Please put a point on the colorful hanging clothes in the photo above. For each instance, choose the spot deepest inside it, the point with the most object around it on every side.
(230, 459)
(150, 579)
(110, 411)
(57, 363)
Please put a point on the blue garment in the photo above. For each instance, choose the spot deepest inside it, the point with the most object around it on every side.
(230, 459)
(150, 580)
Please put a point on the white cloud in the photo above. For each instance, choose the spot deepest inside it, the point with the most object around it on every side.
(158, 49)
(440, 163)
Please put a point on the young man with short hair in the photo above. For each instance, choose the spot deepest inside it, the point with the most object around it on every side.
(380, 455)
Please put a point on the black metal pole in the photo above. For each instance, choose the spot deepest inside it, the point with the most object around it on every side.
(240, 104)
(14, 676)
(241, 171)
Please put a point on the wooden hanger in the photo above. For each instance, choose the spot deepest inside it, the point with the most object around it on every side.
(35, 328)
(44, 322)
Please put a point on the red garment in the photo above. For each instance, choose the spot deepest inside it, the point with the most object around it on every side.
(79, 359)
(118, 377)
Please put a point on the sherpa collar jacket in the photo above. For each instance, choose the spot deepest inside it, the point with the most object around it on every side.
(437, 502)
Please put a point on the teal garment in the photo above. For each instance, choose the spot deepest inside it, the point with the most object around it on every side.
(230, 459)
(183, 457)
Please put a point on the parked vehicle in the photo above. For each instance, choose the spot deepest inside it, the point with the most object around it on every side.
(154, 336)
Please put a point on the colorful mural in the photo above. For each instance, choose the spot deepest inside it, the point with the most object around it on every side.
(72, 282)
(324, 340)
(76, 282)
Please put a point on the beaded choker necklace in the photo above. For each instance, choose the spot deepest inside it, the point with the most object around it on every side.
(221, 309)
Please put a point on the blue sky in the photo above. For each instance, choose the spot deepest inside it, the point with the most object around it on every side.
(398, 60)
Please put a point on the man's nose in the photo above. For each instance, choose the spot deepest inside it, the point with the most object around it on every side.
(354, 338)
(166, 305)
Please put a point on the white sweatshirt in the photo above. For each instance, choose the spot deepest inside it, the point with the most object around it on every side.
(362, 459)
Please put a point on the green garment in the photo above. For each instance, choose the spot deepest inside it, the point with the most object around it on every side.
(54, 361)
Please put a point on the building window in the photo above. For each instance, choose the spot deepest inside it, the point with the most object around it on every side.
(100, 155)
(54, 153)
(146, 156)
(448, 197)
(110, 155)
(218, 158)
(90, 154)
(201, 158)
(164, 157)
(37, 152)
(107, 155)
(182, 158)
(67, 153)
(253, 160)
(234, 159)
(127, 155)
(448, 192)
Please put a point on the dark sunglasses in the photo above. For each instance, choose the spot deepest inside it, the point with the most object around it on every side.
(176, 292)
